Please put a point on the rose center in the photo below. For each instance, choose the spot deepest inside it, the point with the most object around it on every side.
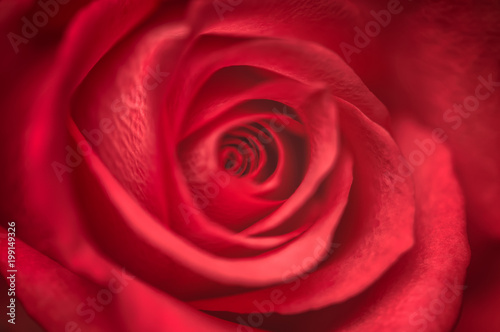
(249, 151)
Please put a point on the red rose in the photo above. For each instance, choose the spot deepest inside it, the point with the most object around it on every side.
(250, 166)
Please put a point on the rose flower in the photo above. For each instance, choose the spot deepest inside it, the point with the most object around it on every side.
(245, 165)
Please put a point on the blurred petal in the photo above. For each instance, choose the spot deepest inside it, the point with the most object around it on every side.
(129, 305)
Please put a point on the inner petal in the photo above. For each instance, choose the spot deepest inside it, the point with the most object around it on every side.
(253, 156)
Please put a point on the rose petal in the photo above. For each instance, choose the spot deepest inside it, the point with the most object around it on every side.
(372, 238)
(41, 284)
(162, 250)
(319, 117)
(427, 280)
(431, 275)
(41, 200)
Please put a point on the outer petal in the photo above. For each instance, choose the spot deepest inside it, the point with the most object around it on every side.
(441, 56)
(449, 79)
(423, 291)
(42, 207)
(53, 296)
